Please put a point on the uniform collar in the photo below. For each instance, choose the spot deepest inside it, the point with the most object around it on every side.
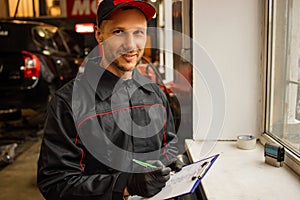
(105, 83)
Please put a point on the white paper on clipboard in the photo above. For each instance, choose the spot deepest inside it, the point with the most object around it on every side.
(181, 183)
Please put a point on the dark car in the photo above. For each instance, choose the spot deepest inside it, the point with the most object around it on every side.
(35, 60)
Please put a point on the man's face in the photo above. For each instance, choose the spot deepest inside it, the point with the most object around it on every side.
(123, 37)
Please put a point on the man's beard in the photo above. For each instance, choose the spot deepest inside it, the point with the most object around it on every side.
(122, 68)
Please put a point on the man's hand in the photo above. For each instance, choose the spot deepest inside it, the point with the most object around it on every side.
(150, 183)
(176, 165)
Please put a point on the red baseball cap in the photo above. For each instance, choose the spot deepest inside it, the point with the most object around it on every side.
(107, 7)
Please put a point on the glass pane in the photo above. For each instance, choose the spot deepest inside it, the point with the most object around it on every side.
(23, 8)
(33, 8)
(284, 116)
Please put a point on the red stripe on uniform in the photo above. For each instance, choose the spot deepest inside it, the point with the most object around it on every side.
(165, 138)
(82, 153)
(81, 160)
(113, 111)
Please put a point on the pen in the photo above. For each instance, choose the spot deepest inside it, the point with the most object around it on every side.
(144, 164)
(201, 171)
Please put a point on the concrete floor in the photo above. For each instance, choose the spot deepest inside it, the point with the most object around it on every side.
(18, 180)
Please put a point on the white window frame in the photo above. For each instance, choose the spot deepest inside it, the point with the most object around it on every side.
(292, 158)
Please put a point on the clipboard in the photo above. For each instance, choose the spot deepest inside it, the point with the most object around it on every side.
(185, 181)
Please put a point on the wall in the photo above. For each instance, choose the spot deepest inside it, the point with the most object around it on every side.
(227, 38)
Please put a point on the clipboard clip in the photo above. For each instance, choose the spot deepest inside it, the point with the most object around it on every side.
(201, 171)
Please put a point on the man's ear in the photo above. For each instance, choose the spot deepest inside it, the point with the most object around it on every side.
(98, 34)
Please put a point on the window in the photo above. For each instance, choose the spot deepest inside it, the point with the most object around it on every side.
(34, 8)
(283, 74)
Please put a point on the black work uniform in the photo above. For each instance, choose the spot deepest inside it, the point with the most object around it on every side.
(94, 125)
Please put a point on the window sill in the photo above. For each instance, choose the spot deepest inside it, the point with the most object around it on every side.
(243, 174)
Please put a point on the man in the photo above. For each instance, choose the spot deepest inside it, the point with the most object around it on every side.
(106, 119)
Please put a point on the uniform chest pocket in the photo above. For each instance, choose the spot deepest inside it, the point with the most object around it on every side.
(141, 121)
